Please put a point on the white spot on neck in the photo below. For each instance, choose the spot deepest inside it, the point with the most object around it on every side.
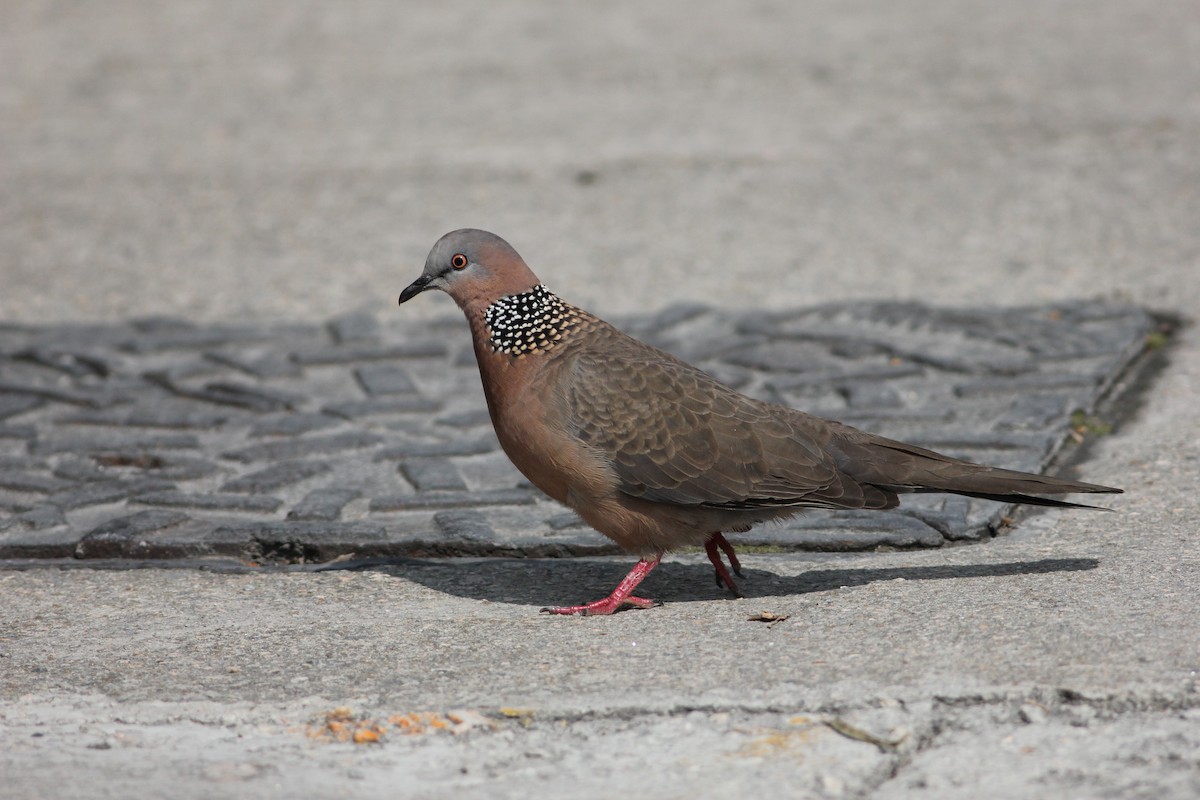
(529, 322)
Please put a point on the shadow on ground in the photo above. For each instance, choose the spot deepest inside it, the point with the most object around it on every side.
(544, 582)
(552, 581)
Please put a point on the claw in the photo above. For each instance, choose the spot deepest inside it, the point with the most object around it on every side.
(622, 596)
(722, 574)
(603, 607)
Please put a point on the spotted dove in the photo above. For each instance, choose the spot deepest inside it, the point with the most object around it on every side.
(654, 453)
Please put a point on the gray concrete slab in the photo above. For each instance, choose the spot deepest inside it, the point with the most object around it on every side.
(288, 161)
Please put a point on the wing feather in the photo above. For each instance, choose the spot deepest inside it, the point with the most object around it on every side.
(675, 435)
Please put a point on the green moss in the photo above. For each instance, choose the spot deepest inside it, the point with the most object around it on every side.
(1157, 340)
(1089, 425)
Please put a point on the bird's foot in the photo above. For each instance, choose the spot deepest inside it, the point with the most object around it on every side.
(604, 607)
(621, 596)
(723, 577)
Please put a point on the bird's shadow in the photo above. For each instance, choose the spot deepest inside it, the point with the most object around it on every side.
(546, 582)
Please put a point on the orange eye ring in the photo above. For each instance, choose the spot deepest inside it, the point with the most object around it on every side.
(459, 261)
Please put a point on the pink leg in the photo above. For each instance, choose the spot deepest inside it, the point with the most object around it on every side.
(621, 596)
(710, 547)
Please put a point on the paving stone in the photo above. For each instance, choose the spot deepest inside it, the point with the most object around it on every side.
(431, 474)
(354, 409)
(74, 364)
(643, 326)
(93, 494)
(782, 357)
(9, 506)
(870, 395)
(39, 518)
(1036, 411)
(354, 327)
(74, 468)
(119, 538)
(208, 502)
(1034, 382)
(177, 337)
(465, 359)
(377, 379)
(21, 463)
(846, 531)
(38, 541)
(874, 372)
(11, 405)
(271, 365)
(951, 437)
(161, 421)
(467, 419)
(308, 446)
(160, 416)
(874, 419)
(154, 323)
(17, 431)
(107, 442)
(230, 393)
(570, 519)
(186, 540)
(424, 500)
(323, 504)
(951, 519)
(444, 449)
(293, 424)
(159, 465)
(276, 476)
(467, 525)
(27, 482)
(257, 398)
(369, 352)
(298, 542)
(95, 398)
(906, 331)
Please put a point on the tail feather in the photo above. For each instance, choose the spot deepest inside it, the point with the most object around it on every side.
(903, 468)
(1024, 499)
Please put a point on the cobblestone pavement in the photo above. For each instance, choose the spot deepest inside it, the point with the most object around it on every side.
(160, 439)
(245, 165)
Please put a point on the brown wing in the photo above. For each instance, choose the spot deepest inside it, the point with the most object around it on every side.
(675, 435)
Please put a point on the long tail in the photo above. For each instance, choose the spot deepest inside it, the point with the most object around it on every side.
(904, 468)
(1027, 499)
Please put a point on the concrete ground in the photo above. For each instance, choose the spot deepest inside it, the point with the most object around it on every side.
(295, 161)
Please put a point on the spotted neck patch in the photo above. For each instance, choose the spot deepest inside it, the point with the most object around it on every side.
(529, 322)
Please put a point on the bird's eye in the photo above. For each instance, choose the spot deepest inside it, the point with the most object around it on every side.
(459, 261)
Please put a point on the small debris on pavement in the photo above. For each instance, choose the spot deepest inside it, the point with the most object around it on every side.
(770, 617)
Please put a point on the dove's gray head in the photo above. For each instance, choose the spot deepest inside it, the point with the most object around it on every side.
(474, 267)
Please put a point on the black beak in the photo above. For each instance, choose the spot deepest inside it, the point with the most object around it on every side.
(415, 288)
